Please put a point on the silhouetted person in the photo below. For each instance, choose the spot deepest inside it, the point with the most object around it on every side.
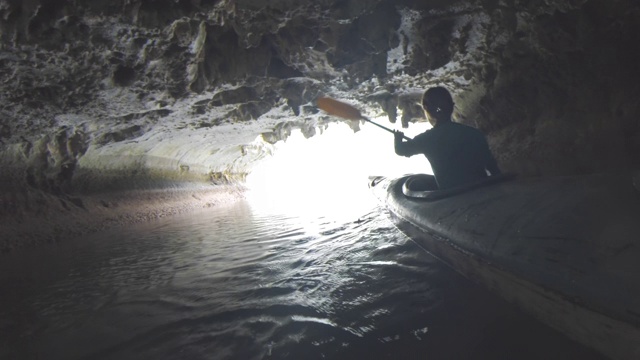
(458, 154)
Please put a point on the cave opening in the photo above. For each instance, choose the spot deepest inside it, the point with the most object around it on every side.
(311, 176)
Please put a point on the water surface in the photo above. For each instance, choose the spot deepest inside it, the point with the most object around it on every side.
(241, 282)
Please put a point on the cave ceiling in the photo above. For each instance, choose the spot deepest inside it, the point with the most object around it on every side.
(179, 88)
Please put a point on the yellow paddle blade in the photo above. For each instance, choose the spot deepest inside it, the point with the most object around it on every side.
(338, 108)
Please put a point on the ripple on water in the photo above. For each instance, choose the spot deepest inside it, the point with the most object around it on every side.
(233, 283)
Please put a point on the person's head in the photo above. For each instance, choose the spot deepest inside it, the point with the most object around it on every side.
(438, 104)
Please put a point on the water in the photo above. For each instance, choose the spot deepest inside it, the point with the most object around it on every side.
(240, 282)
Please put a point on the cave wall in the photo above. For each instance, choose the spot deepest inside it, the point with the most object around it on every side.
(562, 97)
(144, 88)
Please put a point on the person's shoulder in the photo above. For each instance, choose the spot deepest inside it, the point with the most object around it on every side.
(466, 128)
(463, 126)
(427, 133)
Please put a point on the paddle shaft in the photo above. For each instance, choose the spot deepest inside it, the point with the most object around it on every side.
(383, 127)
(347, 111)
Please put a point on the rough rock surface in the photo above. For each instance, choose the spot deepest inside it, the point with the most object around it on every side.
(137, 94)
(37, 217)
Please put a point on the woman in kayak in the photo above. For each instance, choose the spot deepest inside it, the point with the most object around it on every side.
(458, 154)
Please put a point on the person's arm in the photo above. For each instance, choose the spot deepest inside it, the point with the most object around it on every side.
(405, 148)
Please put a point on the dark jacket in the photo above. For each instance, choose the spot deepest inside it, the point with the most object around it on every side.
(458, 154)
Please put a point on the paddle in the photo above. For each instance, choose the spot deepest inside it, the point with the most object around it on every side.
(346, 111)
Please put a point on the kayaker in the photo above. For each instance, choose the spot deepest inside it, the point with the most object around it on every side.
(458, 154)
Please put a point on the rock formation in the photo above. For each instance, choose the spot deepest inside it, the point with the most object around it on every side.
(115, 95)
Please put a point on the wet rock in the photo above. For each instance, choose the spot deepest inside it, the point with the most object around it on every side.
(234, 96)
(127, 133)
(553, 84)
(124, 76)
(299, 91)
(410, 105)
(280, 132)
(388, 102)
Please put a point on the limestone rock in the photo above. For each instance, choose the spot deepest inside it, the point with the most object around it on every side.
(99, 93)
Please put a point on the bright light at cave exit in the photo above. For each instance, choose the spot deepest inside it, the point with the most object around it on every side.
(327, 174)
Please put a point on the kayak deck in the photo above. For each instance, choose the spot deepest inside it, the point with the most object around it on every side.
(567, 249)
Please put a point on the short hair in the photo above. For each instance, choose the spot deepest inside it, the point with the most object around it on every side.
(438, 102)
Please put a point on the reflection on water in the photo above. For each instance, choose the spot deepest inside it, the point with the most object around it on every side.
(240, 282)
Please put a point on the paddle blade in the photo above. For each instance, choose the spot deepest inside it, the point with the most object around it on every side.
(338, 108)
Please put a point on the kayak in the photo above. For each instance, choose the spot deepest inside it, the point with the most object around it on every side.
(564, 249)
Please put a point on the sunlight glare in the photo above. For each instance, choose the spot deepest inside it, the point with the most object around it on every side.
(327, 174)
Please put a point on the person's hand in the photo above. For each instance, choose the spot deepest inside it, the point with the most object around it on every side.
(398, 135)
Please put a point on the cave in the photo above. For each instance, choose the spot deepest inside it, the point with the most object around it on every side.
(116, 113)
